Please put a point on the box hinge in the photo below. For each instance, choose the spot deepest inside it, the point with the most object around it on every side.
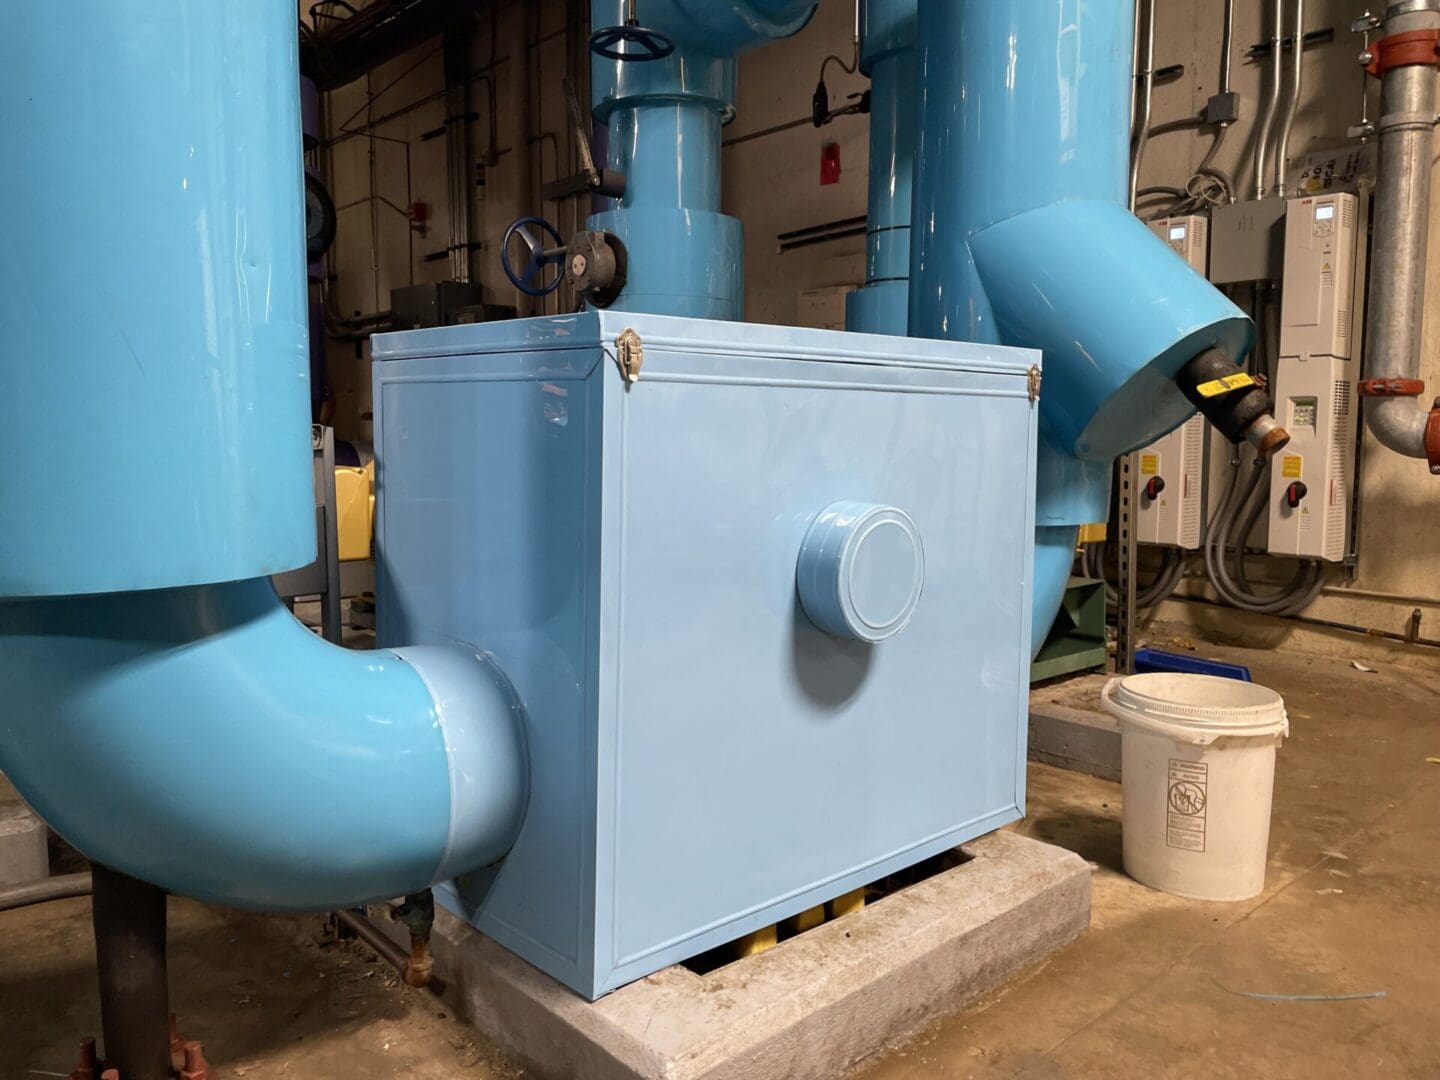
(629, 355)
(1032, 382)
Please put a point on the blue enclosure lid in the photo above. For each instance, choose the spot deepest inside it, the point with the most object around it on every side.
(593, 328)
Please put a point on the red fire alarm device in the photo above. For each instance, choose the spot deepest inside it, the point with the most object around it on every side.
(829, 164)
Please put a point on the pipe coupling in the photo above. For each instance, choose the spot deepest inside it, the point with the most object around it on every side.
(1405, 49)
(1392, 387)
(1406, 121)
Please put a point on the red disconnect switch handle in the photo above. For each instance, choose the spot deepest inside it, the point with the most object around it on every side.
(1432, 439)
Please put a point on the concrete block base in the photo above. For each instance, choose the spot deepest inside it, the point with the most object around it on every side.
(24, 850)
(812, 1007)
(1069, 730)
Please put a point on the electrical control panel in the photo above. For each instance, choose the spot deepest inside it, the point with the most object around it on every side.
(1170, 509)
(1315, 391)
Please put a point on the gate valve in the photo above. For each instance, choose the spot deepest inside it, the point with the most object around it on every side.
(631, 41)
(595, 262)
(538, 256)
(1153, 487)
(1295, 493)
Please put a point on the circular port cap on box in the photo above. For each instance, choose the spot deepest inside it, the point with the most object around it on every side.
(861, 571)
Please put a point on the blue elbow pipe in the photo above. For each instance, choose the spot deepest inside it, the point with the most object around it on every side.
(164, 712)
(204, 740)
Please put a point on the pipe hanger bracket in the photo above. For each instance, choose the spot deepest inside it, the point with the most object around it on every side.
(1404, 50)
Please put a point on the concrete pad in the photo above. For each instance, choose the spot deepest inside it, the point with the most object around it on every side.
(24, 850)
(1068, 728)
(809, 1009)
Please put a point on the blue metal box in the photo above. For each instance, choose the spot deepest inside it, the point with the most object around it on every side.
(704, 760)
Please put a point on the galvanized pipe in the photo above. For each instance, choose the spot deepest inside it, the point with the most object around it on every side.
(1408, 98)
(44, 891)
(1272, 102)
(1282, 150)
(1146, 76)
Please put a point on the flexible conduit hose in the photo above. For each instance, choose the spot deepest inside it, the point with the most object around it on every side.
(1243, 503)
(1166, 581)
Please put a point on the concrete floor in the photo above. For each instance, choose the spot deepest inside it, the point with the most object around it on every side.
(1155, 989)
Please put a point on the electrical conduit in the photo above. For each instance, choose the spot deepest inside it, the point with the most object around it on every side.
(164, 713)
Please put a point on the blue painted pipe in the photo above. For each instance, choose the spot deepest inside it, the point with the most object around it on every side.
(1022, 237)
(163, 711)
(663, 121)
(203, 740)
(887, 56)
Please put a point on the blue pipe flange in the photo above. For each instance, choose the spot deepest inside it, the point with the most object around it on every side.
(538, 256)
(861, 571)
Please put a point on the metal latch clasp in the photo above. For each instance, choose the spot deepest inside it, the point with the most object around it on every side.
(629, 355)
(1032, 382)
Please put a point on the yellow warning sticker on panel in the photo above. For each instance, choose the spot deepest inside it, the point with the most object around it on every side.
(1293, 467)
(1216, 387)
(1149, 464)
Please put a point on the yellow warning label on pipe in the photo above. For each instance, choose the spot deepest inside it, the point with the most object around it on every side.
(1216, 387)
(1293, 467)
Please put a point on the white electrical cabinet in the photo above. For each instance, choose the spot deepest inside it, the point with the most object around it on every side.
(1170, 507)
(1315, 392)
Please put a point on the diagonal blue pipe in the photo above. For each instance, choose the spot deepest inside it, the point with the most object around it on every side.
(1022, 238)
(163, 711)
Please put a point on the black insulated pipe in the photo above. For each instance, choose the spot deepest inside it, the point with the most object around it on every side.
(129, 920)
(342, 49)
(1239, 408)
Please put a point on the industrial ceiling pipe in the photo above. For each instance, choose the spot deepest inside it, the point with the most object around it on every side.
(1406, 129)
(164, 713)
(341, 50)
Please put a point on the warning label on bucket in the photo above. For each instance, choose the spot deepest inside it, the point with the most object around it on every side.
(1186, 805)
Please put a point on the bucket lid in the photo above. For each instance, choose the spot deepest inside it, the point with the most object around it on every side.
(1196, 708)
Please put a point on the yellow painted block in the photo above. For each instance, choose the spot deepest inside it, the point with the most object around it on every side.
(810, 918)
(758, 942)
(850, 902)
(354, 512)
(1093, 534)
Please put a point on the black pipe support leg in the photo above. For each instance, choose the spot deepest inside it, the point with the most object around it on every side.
(129, 918)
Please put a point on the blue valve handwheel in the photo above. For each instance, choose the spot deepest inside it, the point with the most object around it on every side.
(639, 44)
(538, 256)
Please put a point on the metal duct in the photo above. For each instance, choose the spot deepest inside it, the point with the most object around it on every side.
(164, 712)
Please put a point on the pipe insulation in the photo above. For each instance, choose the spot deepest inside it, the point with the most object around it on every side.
(887, 56)
(664, 119)
(1022, 237)
(165, 714)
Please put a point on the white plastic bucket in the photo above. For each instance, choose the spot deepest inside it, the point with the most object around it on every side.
(1197, 763)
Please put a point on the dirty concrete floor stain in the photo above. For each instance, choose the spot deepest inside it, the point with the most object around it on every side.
(1149, 991)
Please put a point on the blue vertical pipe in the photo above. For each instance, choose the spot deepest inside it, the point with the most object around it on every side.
(162, 710)
(1022, 237)
(663, 121)
(887, 56)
